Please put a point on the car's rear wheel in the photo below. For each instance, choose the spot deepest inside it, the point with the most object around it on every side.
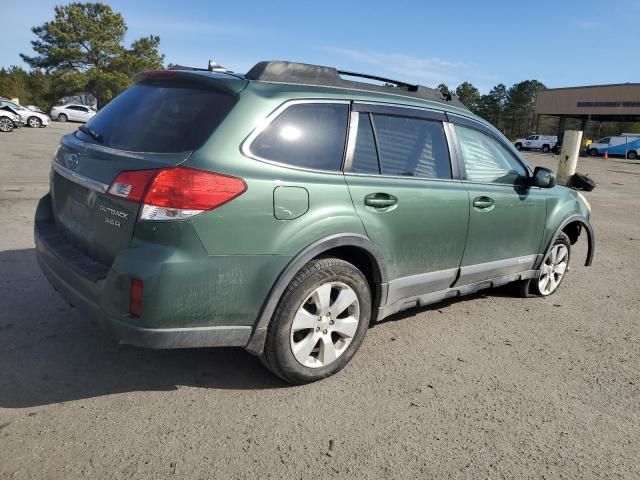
(518, 146)
(632, 155)
(545, 149)
(62, 117)
(34, 122)
(552, 270)
(6, 124)
(319, 323)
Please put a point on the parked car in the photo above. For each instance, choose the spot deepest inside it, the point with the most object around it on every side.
(34, 108)
(27, 117)
(9, 119)
(72, 112)
(626, 143)
(286, 209)
(536, 142)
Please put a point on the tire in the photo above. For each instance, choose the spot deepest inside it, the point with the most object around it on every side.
(518, 146)
(62, 117)
(593, 152)
(536, 287)
(632, 155)
(545, 148)
(6, 124)
(580, 181)
(34, 122)
(301, 334)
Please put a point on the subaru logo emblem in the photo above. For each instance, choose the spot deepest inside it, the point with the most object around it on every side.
(73, 161)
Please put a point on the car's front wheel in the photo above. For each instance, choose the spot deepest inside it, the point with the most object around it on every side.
(518, 146)
(632, 155)
(552, 270)
(6, 124)
(62, 117)
(320, 322)
(593, 152)
(34, 122)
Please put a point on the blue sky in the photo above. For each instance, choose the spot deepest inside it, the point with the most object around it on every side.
(561, 43)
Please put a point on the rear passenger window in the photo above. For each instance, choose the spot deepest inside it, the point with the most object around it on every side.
(365, 157)
(309, 135)
(411, 147)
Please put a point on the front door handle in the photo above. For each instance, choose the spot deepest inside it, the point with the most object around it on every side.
(380, 200)
(483, 203)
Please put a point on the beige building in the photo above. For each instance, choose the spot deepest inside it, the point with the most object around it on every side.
(604, 103)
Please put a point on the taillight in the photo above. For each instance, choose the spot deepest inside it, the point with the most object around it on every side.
(132, 185)
(135, 299)
(176, 193)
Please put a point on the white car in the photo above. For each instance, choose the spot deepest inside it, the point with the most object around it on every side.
(538, 142)
(73, 111)
(28, 117)
(9, 120)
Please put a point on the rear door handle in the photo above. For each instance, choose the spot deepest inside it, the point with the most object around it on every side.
(483, 203)
(380, 200)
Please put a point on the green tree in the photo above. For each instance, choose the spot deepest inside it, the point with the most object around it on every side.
(491, 105)
(14, 83)
(83, 49)
(519, 109)
(468, 95)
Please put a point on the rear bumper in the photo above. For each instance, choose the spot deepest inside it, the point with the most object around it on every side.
(126, 333)
(190, 300)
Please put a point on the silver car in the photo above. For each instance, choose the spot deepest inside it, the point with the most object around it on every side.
(72, 112)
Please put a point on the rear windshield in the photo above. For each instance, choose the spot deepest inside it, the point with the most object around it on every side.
(160, 118)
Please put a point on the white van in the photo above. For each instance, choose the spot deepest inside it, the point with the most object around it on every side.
(538, 142)
(625, 143)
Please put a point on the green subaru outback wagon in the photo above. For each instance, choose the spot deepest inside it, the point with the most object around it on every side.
(287, 209)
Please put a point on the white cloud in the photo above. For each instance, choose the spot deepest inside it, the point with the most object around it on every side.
(431, 71)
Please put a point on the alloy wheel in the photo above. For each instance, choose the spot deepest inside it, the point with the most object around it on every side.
(5, 125)
(325, 324)
(553, 269)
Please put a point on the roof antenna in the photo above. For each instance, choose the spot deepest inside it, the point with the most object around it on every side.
(214, 67)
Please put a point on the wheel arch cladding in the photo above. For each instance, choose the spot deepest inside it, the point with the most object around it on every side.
(572, 226)
(353, 248)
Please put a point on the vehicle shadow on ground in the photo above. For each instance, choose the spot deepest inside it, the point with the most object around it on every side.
(49, 353)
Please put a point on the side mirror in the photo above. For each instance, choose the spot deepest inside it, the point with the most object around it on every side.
(543, 178)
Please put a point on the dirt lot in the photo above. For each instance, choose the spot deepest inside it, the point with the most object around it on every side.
(485, 387)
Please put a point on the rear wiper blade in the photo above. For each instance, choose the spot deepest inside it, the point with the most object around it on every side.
(91, 132)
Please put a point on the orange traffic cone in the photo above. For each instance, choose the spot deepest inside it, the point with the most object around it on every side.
(606, 155)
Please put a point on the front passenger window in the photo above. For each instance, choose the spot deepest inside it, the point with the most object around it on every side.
(486, 160)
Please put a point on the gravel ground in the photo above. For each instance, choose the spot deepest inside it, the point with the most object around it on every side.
(488, 386)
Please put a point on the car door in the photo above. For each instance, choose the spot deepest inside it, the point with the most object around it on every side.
(507, 214)
(80, 113)
(85, 114)
(408, 196)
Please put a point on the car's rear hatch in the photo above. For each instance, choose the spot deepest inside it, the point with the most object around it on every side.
(156, 124)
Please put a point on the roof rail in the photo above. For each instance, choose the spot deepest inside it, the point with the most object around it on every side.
(277, 71)
(408, 86)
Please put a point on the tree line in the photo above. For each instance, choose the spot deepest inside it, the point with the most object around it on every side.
(511, 110)
(82, 50)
